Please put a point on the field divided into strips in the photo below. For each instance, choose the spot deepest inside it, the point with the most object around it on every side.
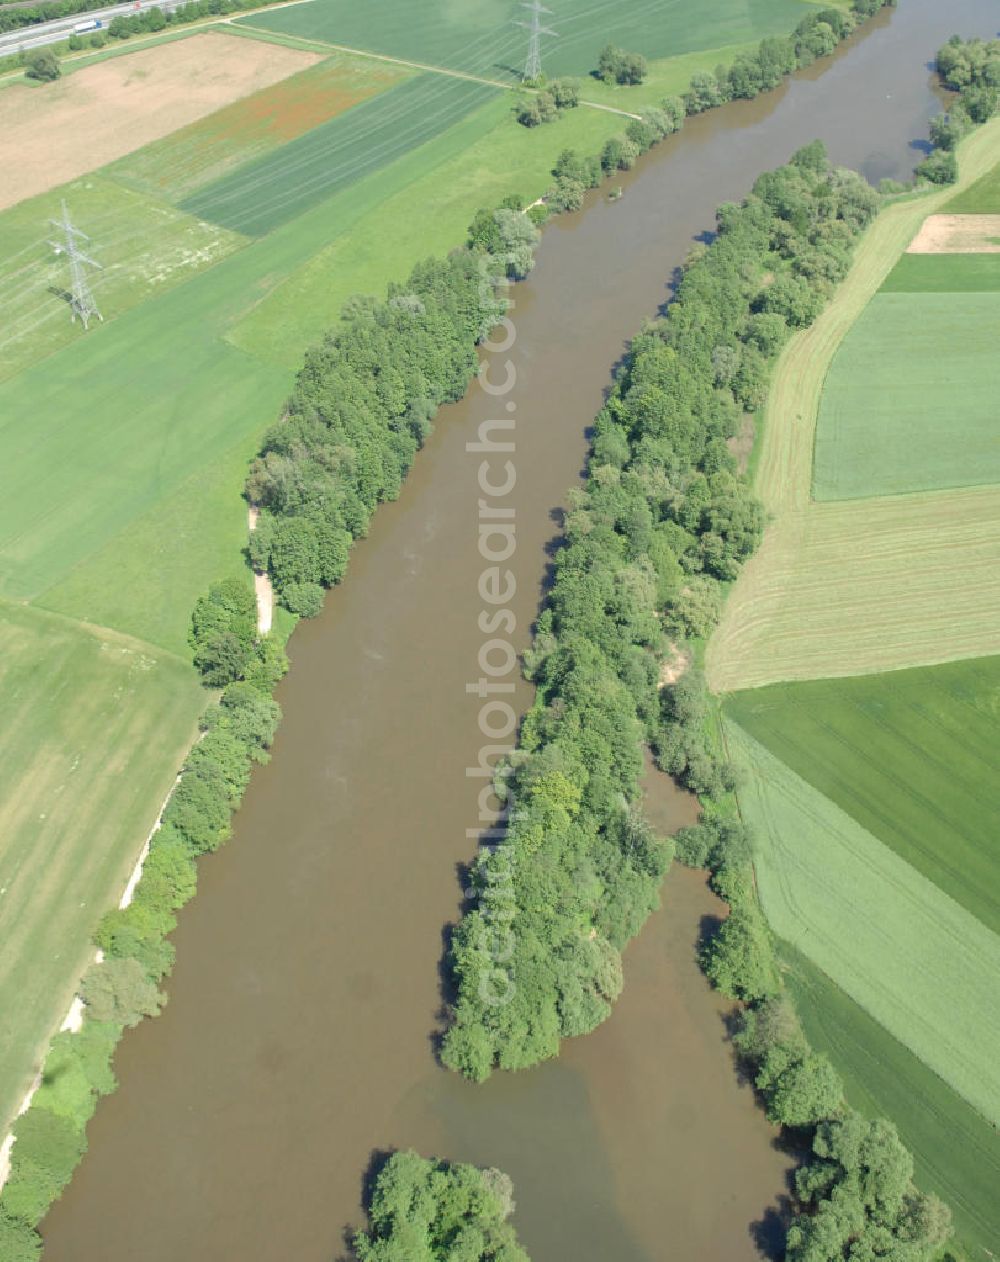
(478, 36)
(912, 755)
(258, 197)
(144, 247)
(851, 587)
(95, 727)
(188, 159)
(916, 961)
(956, 1151)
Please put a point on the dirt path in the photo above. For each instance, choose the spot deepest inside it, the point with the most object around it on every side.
(261, 585)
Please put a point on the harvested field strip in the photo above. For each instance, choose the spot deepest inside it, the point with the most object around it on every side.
(188, 159)
(957, 234)
(944, 274)
(861, 586)
(913, 756)
(910, 401)
(916, 961)
(144, 247)
(477, 35)
(956, 1152)
(95, 728)
(115, 107)
(260, 196)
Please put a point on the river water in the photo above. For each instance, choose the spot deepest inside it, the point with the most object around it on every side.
(298, 1040)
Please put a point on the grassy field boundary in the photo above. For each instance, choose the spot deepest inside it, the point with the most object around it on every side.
(894, 592)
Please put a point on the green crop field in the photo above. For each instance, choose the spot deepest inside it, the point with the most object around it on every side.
(143, 245)
(980, 198)
(944, 274)
(956, 1152)
(259, 196)
(913, 756)
(910, 399)
(186, 160)
(477, 36)
(95, 727)
(916, 961)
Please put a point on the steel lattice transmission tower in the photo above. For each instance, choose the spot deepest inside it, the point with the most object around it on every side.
(533, 66)
(82, 302)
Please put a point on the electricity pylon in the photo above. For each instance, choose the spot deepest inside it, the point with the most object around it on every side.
(81, 301)
(533, 66)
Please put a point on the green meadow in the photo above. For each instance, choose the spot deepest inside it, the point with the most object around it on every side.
(479, 37)
(912, 755)
(920, 964)
(909, 403)
(956, 1151)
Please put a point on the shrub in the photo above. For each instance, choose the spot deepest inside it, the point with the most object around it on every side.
(118, 991)
(614, 65)
(304, 599)
(43, 66)
(739, 958)
(940, 167)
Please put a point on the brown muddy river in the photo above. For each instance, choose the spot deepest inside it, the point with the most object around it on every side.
(298, 1037)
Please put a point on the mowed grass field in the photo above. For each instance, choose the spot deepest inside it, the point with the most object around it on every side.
(913, 756)
(858, 586)
(956, 1151)
(920, 964)
(478, 36)
(911, 399)
(188, 159)
(95, 728)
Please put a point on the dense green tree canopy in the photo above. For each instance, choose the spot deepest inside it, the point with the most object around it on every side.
(431, 1211)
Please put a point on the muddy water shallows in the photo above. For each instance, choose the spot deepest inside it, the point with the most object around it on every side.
(298, 1036)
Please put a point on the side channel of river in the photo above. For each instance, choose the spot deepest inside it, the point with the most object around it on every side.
(298, 1037)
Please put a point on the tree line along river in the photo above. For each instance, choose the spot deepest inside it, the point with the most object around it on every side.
(299, 1036)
